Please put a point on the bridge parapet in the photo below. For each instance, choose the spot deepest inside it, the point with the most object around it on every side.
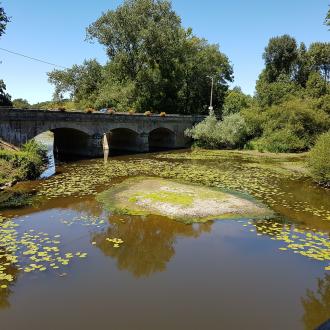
(72, 127)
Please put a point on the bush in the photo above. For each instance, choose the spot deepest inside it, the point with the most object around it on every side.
(211, 133)
(283, 140)
(162, 114)
(26, 164)
(232, 131)
(291, 126)
(319, 160)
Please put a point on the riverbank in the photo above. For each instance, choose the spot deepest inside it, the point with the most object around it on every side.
(20, 165)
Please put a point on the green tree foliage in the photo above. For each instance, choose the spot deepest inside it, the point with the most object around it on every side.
(289, 69)
(4, 19)
(280, 57)
(302, 66)
(235, 101)
(154, 63)
(5, 98)
(21, 104)
(82, 82)
(319, 160)
(291, 126)
(276, 92)
(327, 18)
(315, 86)
(231, 132)
(319, 54)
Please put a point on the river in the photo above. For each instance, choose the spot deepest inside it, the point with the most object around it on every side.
(224, 274)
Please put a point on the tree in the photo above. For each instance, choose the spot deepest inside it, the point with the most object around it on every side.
(163, 65)
(21, 104)
(4, 19)
(280, 57)
(235, 101)
(276, 92)
(82, 82)
(303, 66)
(5, 99)
(315, 86)
(327, 18)
(319, 54)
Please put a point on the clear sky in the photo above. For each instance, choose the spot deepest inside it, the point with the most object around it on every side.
(54, 30)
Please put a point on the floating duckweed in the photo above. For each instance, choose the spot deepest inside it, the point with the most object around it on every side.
(116, 242)
(256, 174)
(28, 252)
(311, 244)
(85, 220)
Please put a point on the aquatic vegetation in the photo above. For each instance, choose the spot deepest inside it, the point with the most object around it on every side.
(182, 202)
(116, 241)
(29, 252)
(264, 176)
(312, 244)
(85, 220)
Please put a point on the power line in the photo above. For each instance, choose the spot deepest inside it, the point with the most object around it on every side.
(33, 58)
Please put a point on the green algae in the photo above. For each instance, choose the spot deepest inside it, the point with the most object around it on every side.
(169, 196)
(178, 201)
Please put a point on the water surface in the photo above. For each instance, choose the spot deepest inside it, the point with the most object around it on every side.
(226, 274)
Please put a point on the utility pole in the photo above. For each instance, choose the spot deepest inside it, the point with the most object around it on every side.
(211, 97)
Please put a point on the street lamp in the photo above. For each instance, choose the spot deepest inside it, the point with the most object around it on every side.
(211, 98)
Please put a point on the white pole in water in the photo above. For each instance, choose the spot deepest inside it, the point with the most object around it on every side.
(211, 98)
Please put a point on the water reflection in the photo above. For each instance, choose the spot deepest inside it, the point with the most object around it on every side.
(47, 139)
(8, 269)
(149, 243)
(317, 304)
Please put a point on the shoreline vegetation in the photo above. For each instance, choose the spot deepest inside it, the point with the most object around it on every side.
(22, 164)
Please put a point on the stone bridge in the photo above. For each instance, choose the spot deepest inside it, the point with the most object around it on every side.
(87, 134)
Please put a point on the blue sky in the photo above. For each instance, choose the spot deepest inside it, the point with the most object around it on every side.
(55, 31)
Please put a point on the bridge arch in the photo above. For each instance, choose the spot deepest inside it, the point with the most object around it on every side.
(161, 138)
(122, 139)
(74, 142)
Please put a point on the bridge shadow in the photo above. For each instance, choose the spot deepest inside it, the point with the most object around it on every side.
(70, 144)
(161, 139)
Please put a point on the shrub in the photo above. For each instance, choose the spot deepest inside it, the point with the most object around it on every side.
(90, 110)
(283, 140)
(62, 109)
(162, 114)
(148, 113)
(111, 111)
(232, 131)
(204, 133)
(26, 164)
(291, 126)
(211, 133)
(319, 160)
